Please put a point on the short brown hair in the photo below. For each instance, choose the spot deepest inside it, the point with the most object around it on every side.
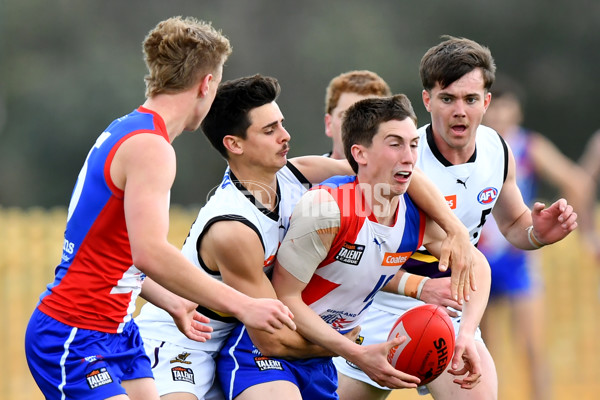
(179, 51)
(364, 117)
(452, 59)
(360, 82)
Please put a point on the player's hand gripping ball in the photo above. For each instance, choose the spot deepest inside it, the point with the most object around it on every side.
(429, 343)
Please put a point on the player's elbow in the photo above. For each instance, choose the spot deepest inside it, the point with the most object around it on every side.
(280, 344)
(272, 347)
(147, 258)
(142, 261)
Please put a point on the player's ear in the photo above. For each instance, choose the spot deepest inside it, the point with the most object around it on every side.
(233, 144)
(204, 85)
(328, 119)
(487, 99)
(359, 154)
(426, 96)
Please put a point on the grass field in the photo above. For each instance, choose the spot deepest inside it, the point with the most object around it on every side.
(30, 247)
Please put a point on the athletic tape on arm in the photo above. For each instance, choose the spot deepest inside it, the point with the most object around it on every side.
(316, 218)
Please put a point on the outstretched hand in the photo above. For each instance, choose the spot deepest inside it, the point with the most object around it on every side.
(456, 253)
(192, 324)
(553, 223)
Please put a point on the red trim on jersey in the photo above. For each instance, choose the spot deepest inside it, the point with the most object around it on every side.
(160, 128)
(107, 177)
(117, 192)
(317, 288)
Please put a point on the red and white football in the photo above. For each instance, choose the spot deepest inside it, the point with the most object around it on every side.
(429, 343)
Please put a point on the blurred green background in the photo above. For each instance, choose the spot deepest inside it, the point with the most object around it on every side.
(70, 67)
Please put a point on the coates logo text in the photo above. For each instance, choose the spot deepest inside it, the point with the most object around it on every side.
(395, 259)
(487, 195)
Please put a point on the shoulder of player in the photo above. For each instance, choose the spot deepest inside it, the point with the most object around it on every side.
(147, 159)
(318, 168)
(149, 146)
(317, 204)
(222, 234)
(232, 247)
(485, 132)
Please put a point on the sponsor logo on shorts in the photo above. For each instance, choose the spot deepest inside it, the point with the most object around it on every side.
(93, 359)
(181, 374)
(350, 253)
(181, 358)
(266, 364)
(98, 377)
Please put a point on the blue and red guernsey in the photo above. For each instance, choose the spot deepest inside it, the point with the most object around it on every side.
(96, 284)
(363, 257)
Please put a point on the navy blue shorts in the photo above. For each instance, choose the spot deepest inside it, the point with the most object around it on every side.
(75, 363)
(240, 365)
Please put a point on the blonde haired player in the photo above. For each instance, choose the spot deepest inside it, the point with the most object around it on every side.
(81, 341)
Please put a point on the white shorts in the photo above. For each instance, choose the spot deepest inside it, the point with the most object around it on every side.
(375, 329)
(179, 369)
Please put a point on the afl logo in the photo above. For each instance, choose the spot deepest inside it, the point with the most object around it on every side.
(487, 195)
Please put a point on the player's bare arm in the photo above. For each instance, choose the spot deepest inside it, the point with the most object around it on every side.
(514, 218)
(433, 291)
(574, 182)
(146, 178)
(589, 159)
(318, 168)
(429, 290)
(243, 270)
(455, 251)
(465, 349)
(189, 321)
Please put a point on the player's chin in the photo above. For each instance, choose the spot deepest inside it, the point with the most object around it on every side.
(401, 183)
(277, 165)
(192, 127)
(399, 188)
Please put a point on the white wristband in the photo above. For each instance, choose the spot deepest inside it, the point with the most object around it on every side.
(533, 241)
(420, 289)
